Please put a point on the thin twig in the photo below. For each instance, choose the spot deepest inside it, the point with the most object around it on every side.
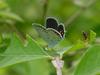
(91, 3)
(45, 8)
(73, 17)
(78, 13)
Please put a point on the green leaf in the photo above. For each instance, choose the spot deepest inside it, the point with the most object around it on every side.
(90, 63)
(79, 45)
(70, 48)
(32, 68)
(17, 52)
(10, 16)
(37, 67)
(92, 36)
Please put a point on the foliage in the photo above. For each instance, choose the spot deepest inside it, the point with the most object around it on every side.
(24, 52)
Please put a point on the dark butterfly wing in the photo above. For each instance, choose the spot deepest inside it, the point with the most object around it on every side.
(51, 23)
(61, 30)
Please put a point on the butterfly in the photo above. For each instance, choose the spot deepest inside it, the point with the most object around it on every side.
(52, 33)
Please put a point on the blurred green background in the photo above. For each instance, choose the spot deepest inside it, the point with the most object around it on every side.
(18, 15)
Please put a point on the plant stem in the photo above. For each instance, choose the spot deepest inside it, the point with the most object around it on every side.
(78, 13)
(58, 64)
(59, 72)
(45, 7)
(73, 17)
